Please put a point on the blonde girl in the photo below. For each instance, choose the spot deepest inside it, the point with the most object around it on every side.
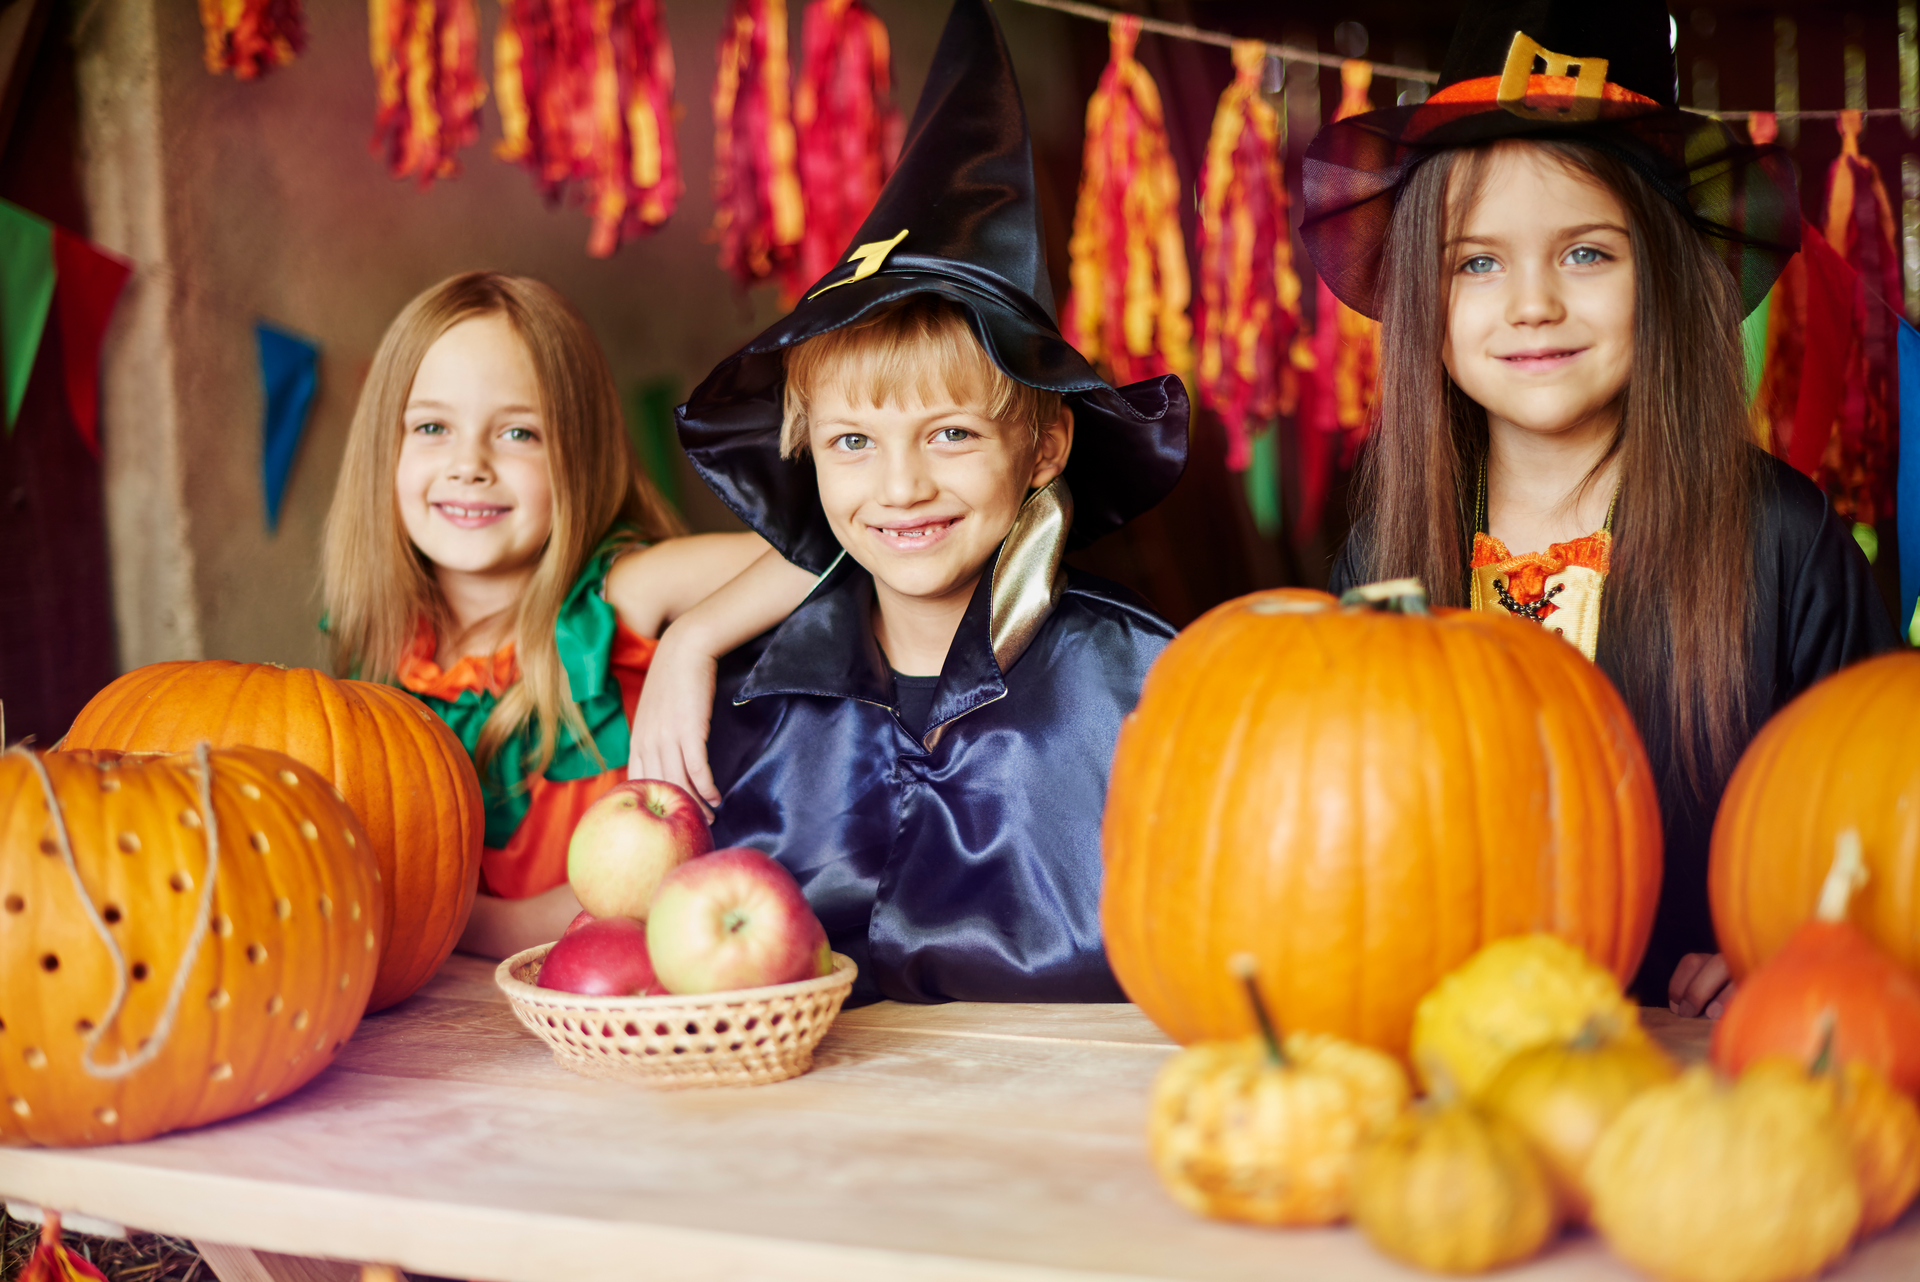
(494, 547)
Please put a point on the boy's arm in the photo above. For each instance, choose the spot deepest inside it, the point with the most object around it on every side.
(676, 703)
(656, 585)
(499, 928)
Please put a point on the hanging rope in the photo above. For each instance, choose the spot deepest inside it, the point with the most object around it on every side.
(163, 1028)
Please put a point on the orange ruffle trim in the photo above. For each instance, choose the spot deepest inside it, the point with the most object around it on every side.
(534, 859)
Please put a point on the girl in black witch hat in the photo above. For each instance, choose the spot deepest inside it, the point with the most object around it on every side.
(1560, 260)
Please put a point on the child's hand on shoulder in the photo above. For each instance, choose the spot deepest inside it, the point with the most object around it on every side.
(670, 723)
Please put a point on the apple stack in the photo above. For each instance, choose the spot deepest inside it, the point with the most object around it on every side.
(687, 965)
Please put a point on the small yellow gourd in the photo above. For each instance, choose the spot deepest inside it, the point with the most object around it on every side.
(1564, 1095)
(1265, 1130)
(1705, 1180)
(1454, 1189)
(1514, 994)
(1883, 1128)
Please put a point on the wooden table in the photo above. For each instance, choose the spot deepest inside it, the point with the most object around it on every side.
(939, 1142)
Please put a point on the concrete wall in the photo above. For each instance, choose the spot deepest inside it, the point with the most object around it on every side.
(254, 200)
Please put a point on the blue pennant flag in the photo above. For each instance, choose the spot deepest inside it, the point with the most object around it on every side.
(289, 368)
(1907, 497)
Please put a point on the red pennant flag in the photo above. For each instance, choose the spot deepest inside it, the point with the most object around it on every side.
(1249, 308)
(759, 217)
(847, 129)
(88, 281)
(1809, 335)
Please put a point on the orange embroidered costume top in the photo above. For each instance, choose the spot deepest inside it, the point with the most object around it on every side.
(1559, 589)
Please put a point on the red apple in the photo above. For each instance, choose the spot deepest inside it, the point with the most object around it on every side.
(628, 840)
(733, 919)
(580, 919)
(603, 958)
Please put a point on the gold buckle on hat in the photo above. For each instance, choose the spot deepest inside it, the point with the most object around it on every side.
(870, 256)
(1588, 86)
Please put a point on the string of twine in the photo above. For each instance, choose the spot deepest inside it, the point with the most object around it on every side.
(163, 1028)
(1295, 53)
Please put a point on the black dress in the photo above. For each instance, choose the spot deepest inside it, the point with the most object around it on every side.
(1814, 611)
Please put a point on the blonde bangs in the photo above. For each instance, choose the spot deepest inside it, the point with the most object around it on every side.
(921, 349)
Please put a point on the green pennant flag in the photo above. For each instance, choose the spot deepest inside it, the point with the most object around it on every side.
(26, 295)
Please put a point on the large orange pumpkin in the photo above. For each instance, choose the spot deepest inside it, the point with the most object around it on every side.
(396, 763)
(1362, 800)
(1841, 756)
(244, 948)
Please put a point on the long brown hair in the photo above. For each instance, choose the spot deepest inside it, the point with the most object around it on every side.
(1675, 610)
(378, 586)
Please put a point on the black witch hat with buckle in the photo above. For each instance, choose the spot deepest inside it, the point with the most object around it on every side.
(1600, 74)
(959, 219)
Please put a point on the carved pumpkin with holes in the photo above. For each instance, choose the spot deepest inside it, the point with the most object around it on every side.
(396, 763)
(158, 970)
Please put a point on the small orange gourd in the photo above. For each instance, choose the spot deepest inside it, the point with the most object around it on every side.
(396, 763)
(1372, 796)
(184, 939)
(1830, 979)
(1564, 1095)
(1883, 1126)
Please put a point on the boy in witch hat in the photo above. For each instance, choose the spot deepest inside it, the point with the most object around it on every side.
(925, 741)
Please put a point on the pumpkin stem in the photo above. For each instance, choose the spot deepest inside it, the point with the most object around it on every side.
(1397, 596)
(1848, 874)
(1829, 1024)
(1247, 969)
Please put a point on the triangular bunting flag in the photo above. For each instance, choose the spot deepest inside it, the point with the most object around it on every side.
(89, 285)
(26, 294)
(288, 373)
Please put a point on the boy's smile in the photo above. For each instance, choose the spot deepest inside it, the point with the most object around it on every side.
(921, 495)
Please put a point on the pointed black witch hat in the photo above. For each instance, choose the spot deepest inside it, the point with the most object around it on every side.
(1600, 74)
(959, 219)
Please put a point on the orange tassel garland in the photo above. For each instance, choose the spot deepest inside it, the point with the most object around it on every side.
(425, 59)
(586, 98)
(1127, 309)
(51, 1261)
(847, 128)
(251, 37)
(1249, 305)
(759, 217)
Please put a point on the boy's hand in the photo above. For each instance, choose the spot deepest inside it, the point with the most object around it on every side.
(1701, 985)
(671, 721)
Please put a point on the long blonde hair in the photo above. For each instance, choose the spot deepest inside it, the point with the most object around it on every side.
(378, 586)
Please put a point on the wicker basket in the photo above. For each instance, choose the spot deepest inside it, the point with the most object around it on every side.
(746, 1037)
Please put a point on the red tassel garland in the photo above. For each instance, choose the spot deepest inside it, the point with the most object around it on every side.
(251, 37)
(847, 128)
(1249, 307)
(759, 217)
(1339, 365)
(586, 98)
(51, 1261)
(1127, 309)
(426, 60)
(1858, 468)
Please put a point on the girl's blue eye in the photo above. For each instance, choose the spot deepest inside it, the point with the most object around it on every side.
(1479, 264)
(1585, 256)
(953, 435)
